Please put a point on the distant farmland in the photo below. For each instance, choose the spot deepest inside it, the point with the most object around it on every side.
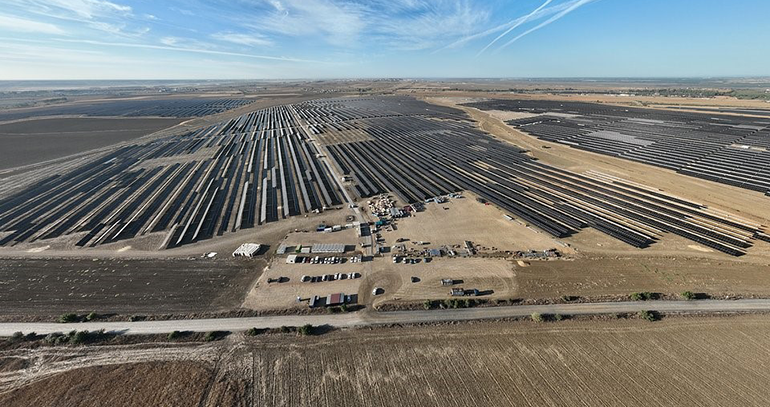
(33, 141)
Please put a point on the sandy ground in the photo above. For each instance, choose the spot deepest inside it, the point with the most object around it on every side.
(494, 277)
(458, 220)
(715, 361)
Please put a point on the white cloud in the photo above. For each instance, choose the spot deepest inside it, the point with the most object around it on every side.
(16, 24)
(560, 8)
(186, 49)
(339, 23)
(250, 40)
(83, 9)
(415, 25)
(570, 7)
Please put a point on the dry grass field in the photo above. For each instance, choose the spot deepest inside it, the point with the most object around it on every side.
(715, 361)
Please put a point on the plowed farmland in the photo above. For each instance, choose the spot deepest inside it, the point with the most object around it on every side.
(713, 361)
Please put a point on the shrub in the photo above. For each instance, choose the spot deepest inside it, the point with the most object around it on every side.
(448, 303)
(252, 332)
(648, 315)
(537, 317)
(688, 295)
(55, 338)
(16, 337)
(174, 335)
(78, 337)
(91, 316)
(306, 330)
(285, 329)
(557, 317)
(642, 296)
(428, 304)
(212, 336)
(467, 303)
(68, 318)
(344, 307)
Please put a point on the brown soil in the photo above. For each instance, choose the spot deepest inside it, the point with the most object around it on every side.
(126, 286)
(705, 361)
(139, 384)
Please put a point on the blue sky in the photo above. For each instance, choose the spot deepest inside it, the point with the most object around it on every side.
(280, 39)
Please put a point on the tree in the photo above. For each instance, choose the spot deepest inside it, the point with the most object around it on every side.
(174, 335)
(428, 304)
(91, 316)
(537, 317)
(688, 295)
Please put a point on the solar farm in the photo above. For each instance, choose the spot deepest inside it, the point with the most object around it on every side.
(729, 149)
(241, 173)
(266, 165)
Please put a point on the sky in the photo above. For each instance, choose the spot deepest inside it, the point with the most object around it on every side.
(306, 39)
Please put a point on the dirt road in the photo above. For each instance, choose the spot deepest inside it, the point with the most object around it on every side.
(396, 317)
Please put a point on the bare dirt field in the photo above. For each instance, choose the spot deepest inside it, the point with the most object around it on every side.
(458, 220)
(493, 277)
(600, 276)
(714, 361)
(127, 286)
(33, 141)
(139, 384)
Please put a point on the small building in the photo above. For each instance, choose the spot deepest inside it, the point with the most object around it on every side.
(305, 250)
(336, 248)
(457, 292)
(434, 252)
(335, 299)
(291, 259)
(247, 250)
(447, 281)
(282, 249)
(314, 301)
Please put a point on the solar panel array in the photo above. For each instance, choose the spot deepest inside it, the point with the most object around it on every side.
(248, 171)
(418, 156)
(728, 149)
